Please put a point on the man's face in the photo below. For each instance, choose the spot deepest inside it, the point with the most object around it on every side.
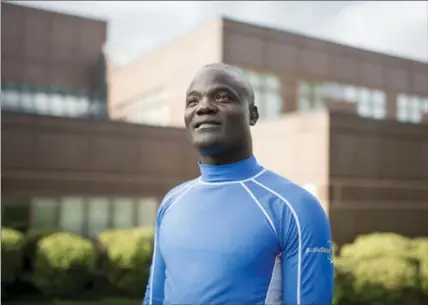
(217, 114)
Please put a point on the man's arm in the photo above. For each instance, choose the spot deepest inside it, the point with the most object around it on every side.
(155, 286)
(307, 257)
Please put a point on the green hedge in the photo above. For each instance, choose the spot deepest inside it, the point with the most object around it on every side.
(127, 258)
(384, 269)
(11, 255)
(64, 264)
(420, 252)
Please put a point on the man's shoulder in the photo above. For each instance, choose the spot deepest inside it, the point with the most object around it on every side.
(176, 191)
(285, 189)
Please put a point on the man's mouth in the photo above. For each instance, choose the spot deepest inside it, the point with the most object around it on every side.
(207, 124)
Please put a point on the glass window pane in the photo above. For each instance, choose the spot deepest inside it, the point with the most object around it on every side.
(16, 213)
(415, 110)
(57, 105)
(14, 97)
(304, 104)
(7, 102)
(255, 80)
(41, 103)
(71, 216)
(147, 209)
(272, 82)
(261, 103)
(273, 103)
(69, 105)
(123, 213)
(364, 108)
(98, 215)
(350, 94)
(304, 88)
(82, 106)
(333, 91)
(26, 102)
(402, 112)
(44, 214)
(379, 104)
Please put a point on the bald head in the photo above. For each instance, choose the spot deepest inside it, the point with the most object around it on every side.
(234, 73)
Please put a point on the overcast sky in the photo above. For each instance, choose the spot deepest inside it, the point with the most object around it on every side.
(396, 28)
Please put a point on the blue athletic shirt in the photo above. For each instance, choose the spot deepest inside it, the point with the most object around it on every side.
(241, 234)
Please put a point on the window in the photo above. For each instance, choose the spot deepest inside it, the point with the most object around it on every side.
(410, 108)
(305, 96)
(379, 104)
(402, 113)
(415, 107)
(364, 103)
(57, 105)
(267, 93)
(16, 213)
(151, 109)
(44, 213)
(332, 91)
(82, 106)
(98, 215)
(41, 103)
(26, 101)
(6, 99)
(72, 214)
(350, 94)
(425, 105)
(147, 209)
(123, 213)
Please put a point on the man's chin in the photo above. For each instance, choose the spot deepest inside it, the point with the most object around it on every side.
(209, 147)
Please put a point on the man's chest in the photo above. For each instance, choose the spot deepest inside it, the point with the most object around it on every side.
(222, 231)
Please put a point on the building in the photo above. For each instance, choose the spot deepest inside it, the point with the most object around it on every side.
(348, 124)
(64, 162)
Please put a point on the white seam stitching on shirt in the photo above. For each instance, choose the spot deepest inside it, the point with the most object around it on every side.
(153, 270)
(178, 190)
(181, 194)
(299, 232)
(232, 182)
(261, 208)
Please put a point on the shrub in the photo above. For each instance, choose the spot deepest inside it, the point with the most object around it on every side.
(64, 264)
(420, 252)
(377, 245)
(127, 258)
(343, 290)
(30, 244)
(11, 250)
(385, 280)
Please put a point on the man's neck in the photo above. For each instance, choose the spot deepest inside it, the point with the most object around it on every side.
(226, 157)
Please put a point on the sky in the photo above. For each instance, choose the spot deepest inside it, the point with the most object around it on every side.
(138, 27)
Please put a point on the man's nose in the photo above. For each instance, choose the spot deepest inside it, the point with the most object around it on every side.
(206, 106)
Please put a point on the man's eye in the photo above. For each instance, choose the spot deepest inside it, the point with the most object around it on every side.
(192, 101)
(222, 96)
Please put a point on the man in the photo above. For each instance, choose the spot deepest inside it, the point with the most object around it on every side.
(238, 234)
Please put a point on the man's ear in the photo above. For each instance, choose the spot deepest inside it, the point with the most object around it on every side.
(254, 115)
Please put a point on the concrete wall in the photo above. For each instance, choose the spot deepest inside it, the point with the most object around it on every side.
(170, 68)
(58, 156)
(296, 147)
(38, 46)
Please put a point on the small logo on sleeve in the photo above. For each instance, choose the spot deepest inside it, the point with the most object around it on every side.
(328, 250)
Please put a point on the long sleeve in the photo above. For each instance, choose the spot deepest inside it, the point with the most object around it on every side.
(307, 265)
(155, 287)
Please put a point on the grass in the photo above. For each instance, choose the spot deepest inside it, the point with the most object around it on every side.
(107, 301)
